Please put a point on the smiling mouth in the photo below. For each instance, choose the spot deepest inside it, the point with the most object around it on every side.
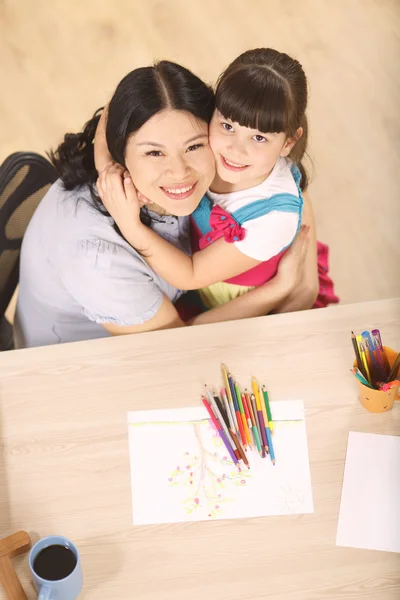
(231, 166)
(179, 192)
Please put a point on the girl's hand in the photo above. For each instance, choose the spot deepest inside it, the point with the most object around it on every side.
(291, 267)
(119, 196)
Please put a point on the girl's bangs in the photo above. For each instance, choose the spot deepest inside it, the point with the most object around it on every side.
(257, 100)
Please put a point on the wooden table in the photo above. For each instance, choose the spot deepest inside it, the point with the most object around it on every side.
(64, 464)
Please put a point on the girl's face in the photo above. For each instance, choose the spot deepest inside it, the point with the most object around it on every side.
(170, 161)
(244, 157)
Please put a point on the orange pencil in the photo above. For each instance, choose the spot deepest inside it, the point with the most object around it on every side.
(242, 414)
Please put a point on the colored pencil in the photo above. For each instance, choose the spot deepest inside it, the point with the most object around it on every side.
(240, 449)
(360, 377)
(357, 353)
(221, 409)
(218, 416)
(263, 410)
(232, 429)
(260, 418)
(227, 408)
(270, 445)
(243, 414)
(376, 335)
(268, 408)
(229, 396)
(363, 358)
(260, 406)
(246, 411)
(254, 407)
(394, 369)
(248, 421)
(257, 440)
(237, 411)
(221, 432)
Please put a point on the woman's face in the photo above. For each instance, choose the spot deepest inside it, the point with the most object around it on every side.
(170, 161)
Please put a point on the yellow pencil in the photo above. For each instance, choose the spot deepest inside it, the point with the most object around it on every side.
(360, 343)
(260, 405)
(254, 385)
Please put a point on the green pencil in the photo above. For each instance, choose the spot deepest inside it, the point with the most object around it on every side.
(267, 407)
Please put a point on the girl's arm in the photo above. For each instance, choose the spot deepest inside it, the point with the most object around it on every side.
(266, 298)
(217, 262)
(102, 156)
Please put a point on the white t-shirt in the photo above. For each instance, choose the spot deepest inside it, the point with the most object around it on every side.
(268, 235)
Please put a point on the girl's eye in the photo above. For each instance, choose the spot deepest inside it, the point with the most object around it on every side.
(227, 127)
(260, 138)
(194, 147)
(154, 153)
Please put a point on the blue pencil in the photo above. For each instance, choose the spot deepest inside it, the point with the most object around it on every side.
(270, 446)
(233, 393)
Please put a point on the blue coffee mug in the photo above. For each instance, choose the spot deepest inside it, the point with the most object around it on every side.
(61, 589)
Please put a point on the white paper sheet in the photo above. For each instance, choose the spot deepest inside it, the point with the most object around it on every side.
(181, 471)
(370, 506)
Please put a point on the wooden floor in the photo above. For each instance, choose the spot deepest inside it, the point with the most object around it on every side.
(61, 60)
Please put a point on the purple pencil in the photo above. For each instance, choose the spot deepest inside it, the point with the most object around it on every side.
(221, 432)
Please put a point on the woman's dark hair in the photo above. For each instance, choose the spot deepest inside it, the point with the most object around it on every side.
(140, 95)
(267, 90)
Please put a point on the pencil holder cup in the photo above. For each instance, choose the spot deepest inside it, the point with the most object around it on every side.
(378, 401)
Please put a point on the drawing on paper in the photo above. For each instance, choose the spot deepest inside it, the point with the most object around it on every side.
(200, 474)
(181, 470)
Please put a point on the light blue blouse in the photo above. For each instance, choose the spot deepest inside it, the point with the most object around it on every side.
(76, 272)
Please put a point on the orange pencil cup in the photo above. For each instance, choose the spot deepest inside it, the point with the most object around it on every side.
(377, 401)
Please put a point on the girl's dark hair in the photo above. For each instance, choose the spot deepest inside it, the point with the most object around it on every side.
(140, 95)
(267, 90)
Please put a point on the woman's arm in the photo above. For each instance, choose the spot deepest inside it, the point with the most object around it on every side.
(256, 303)
(305, 292)
(102, 156)
(166, 318)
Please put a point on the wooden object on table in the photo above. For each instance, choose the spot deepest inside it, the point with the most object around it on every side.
(14, 544)
(65, 468)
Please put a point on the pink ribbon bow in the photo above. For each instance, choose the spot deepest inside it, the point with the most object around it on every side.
(222, 225)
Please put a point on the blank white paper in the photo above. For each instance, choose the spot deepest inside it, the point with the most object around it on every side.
(370, 506)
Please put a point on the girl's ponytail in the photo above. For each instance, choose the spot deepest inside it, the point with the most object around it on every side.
(74, 157)
(299, 150)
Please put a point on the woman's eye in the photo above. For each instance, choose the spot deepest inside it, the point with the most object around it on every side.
(154, 153)
(260, 138)
(227, 127)
(195, 147)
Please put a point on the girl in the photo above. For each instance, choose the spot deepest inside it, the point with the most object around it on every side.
(253, 210)
(79, 279)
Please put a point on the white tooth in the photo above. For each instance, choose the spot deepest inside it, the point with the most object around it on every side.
(233, 164)
(180, 191)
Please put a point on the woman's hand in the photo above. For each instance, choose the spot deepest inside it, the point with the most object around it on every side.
(291, 266)
(119, 197)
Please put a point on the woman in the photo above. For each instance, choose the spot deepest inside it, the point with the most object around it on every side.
(79, 279)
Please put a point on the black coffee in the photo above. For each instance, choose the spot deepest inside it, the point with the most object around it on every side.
(54, 562)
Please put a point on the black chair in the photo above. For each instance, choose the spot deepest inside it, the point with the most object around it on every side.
(25, 178)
